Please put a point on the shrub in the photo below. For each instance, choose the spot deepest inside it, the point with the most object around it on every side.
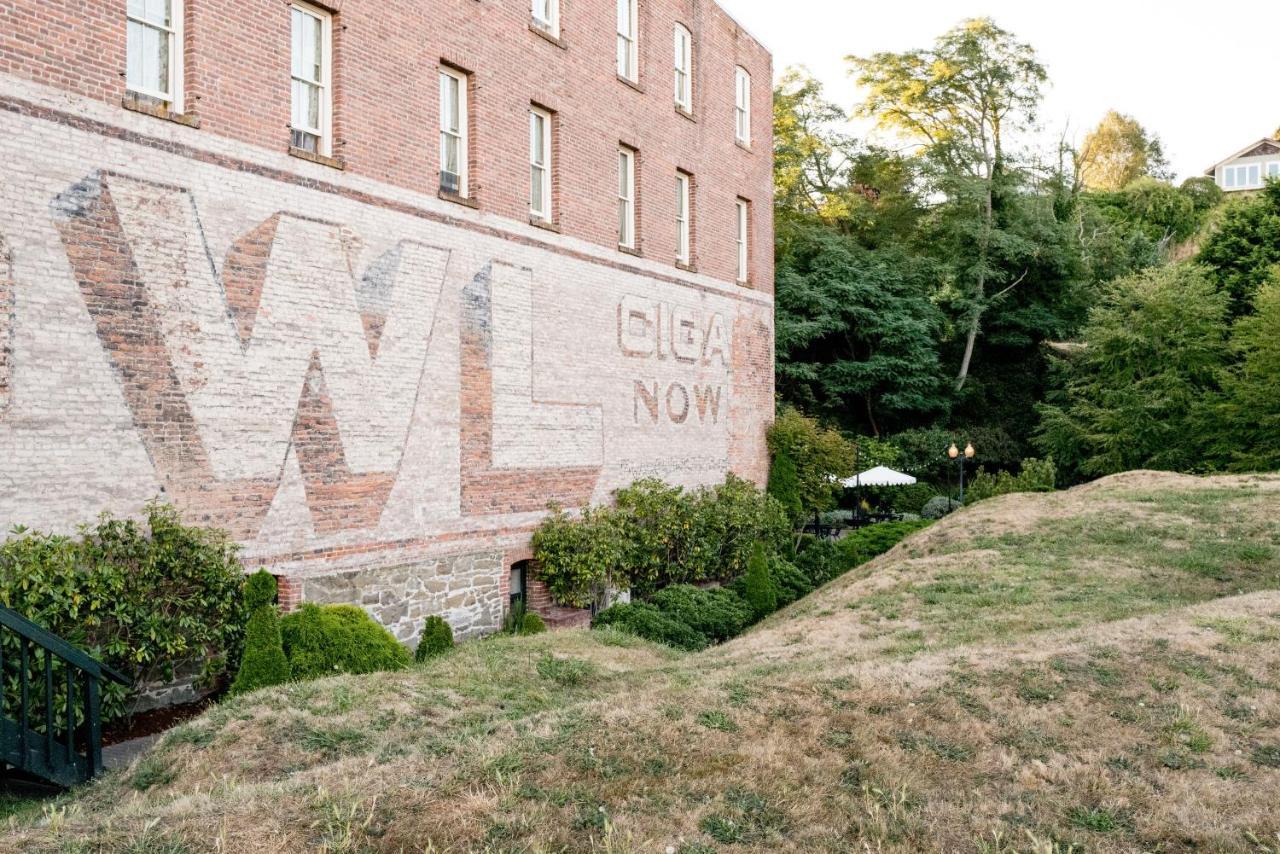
(820, 560)
(820, 456)
(142, 597)
(789, 583)
(259, 589)
(322, 640)
(532, 624)
(758, 587)
(263, 663)
(784, 485)
(939, 506)
(909, 498)
(1036, 476)
(645, 620)
(576, 555)
(862, 545)
(717, 613)
(436, 639)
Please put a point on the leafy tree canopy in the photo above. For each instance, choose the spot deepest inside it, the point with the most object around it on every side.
(1118, 152)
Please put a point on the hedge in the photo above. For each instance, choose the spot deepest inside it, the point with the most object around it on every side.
(322, 640)
(647, 621)
(717, 613)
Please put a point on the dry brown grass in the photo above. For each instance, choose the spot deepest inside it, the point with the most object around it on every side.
(1097, 669)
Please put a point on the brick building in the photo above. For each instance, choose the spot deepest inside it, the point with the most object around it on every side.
(368, 285)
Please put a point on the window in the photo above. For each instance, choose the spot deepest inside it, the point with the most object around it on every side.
(684, 69)
(540, 164)
(453, 132)
(742, 105)
(627, 198)
(627, 56)
(154, 47)
(1273, 170)
(312, 34)
(682, 218)
(546, 15)
(516, 585)
(744, 219)
(1247, 175)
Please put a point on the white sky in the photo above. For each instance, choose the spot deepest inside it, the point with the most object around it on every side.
(1202, 76)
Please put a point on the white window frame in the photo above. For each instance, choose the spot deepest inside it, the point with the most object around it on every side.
(626, 197)
(173, 32)
(1273, 169)
(324, 132)
(628, 47)
(742, 105)
(461, 135)
(683, 68)
(546, 16)
(684, 214)
(537, 114)
(742, 212)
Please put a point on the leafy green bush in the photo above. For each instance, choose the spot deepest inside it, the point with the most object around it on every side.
(820, 456)
(646, 621)
(758, 587)
(717, 613)
(909, 498)
(784, 485)
(655, 536)
(858, 547)
(939, 506)
(142, 597)
(436, 638)
(263, 663)
(789, 582)
(322, 640)
(532, 624)
(1036, 476)
(820, 560)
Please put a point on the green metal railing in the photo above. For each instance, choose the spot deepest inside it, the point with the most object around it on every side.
(50, 723)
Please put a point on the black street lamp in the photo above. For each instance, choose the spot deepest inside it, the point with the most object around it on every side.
(954, 453)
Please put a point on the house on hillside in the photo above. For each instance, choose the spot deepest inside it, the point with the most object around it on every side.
(1249, 167)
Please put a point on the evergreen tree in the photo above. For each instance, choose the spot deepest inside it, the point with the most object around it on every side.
(1245, 246)
(784, 485)
(1251, 412)
(263, 662)
(759, 590)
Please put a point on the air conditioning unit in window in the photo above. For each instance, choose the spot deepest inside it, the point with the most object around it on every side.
(449, 183)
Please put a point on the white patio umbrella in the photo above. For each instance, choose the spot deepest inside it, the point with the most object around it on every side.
(878, 476)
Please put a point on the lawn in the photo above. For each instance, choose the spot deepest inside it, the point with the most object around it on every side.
(1091, 670)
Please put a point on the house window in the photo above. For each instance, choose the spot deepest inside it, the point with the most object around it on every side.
(684, 68)
(546, 16)
(743, 224)
(627, 55)
(154, 48)
(682, 218)
(627, 198)
(1273, 170)
(1247, 175)
(540, 163)
(453, 132)
(742, 106)
(312, 38)
(517, 584)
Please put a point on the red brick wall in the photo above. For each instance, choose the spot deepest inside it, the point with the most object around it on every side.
(386, 58)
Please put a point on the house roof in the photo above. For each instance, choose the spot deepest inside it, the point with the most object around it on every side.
(1246, 151)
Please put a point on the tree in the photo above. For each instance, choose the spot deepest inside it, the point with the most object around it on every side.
(784, 485)
(758, 587)
(1154, 349)
(1252, 395)
(822, 457)
(962, 101)
(1245, 246)
(1119, 151)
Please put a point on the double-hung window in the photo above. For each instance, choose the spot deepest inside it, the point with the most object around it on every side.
(312, 94)
(546, 16)
(683, 253)
(540, 164)
(627, 198)
(742, 106)
(154, 51)
(684, 68)
(743, 213)
(453, 132)
(628, 58)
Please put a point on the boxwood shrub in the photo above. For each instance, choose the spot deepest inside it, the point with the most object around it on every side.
(322, 640)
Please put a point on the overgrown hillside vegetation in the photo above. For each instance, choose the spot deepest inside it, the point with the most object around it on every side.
(1098, 668)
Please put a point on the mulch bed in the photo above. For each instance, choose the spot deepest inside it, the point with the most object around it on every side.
(154, 721)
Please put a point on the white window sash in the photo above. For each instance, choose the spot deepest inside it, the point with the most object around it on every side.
(742, 240)
(683, 67)
(546, 15)
(321, 84)
(540, 163)
(450, 134)
(171, 34)
(682, 218)
(626, 198)
(627, 54)
(742, 106)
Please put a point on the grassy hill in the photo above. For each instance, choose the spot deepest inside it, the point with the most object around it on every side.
(1098, 668)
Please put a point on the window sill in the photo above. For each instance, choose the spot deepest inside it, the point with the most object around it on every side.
(681, 111)
(544, 224)
(629, 250)
(158, 111)
(555, 40)
(745, 146)
(688, 267)
(303, 154)
(465, 201)
(631, 83)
